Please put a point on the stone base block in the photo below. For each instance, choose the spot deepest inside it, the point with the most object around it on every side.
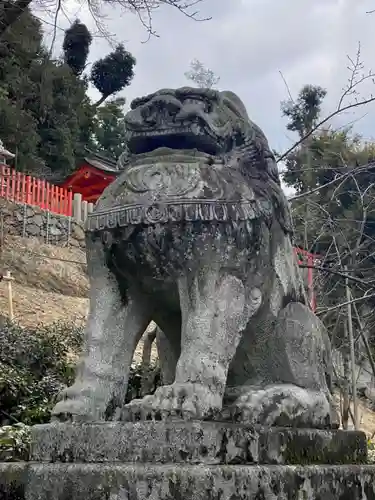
(182, 442)
(187, 482)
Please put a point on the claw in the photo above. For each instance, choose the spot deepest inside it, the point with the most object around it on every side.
(182, 401)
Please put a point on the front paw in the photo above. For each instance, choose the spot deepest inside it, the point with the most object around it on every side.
(77, 404)
(74, 410)
(186, 401)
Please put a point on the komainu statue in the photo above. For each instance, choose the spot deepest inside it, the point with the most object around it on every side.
(195, 234)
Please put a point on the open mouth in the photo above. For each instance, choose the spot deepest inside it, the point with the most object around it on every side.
(146, 142)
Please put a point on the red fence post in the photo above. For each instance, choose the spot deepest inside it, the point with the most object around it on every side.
(48, 196)
(22, 189)
(18, 186)
(27, 198)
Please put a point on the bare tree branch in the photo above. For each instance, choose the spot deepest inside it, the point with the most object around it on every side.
(11, 11)
(287, 87)
(337, 273)
(356, 78)
(355, 170)
(343, 304)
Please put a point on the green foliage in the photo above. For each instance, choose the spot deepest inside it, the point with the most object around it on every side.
(371, 451)
(46, 116)
(114, 72)
(76, 46)
(304, 112)
(135, 381)
(35, 366)
(21, 51)
(43, 105)
(14, 443)
(63, 112)
(109, 136)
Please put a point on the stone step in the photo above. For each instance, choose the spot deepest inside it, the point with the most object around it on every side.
(187, 482)
(182, 442)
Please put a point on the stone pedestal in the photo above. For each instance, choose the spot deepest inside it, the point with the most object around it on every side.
(189, 461)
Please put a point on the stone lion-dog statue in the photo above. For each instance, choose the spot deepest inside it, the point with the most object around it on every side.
(195, 234)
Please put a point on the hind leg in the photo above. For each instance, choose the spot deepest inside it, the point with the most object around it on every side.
(291, 367)
(115, 324)
(168, 342)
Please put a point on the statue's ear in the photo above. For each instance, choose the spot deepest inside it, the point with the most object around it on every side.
(234, 102)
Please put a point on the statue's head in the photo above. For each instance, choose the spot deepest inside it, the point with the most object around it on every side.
(185, 119)
(211, 122)
(208, 123)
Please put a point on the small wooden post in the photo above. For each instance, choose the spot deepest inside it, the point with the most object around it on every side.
(8, 278)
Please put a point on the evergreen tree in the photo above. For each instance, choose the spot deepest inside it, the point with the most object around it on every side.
(76, 46)
(109, 135)
(112, 73)
(21, 52)
(45, 115)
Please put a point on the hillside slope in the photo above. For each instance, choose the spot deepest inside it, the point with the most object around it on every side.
(50, 284)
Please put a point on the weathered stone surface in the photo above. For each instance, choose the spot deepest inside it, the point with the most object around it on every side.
(54, 231)
(23, 220)
(78, 232)
(38, 220)
(168, 482)
(195, 234)
(194, 442)
(32, 229)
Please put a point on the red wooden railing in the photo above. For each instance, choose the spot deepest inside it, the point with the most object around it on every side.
(21, 188)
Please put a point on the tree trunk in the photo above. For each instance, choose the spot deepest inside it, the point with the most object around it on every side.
(10, 12)
(100, 101)
(346, 383)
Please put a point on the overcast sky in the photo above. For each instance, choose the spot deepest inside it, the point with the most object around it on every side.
(248, 43)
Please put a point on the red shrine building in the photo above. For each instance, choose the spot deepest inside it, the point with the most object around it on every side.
(92, 176)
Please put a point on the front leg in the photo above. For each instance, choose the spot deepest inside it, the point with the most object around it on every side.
(213, 315)
(115, 324)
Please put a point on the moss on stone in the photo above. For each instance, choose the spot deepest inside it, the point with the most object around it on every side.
(337, 448)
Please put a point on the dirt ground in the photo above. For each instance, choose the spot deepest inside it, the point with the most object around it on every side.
(51, 285)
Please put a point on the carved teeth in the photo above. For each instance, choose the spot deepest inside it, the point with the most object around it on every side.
(190, 128)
